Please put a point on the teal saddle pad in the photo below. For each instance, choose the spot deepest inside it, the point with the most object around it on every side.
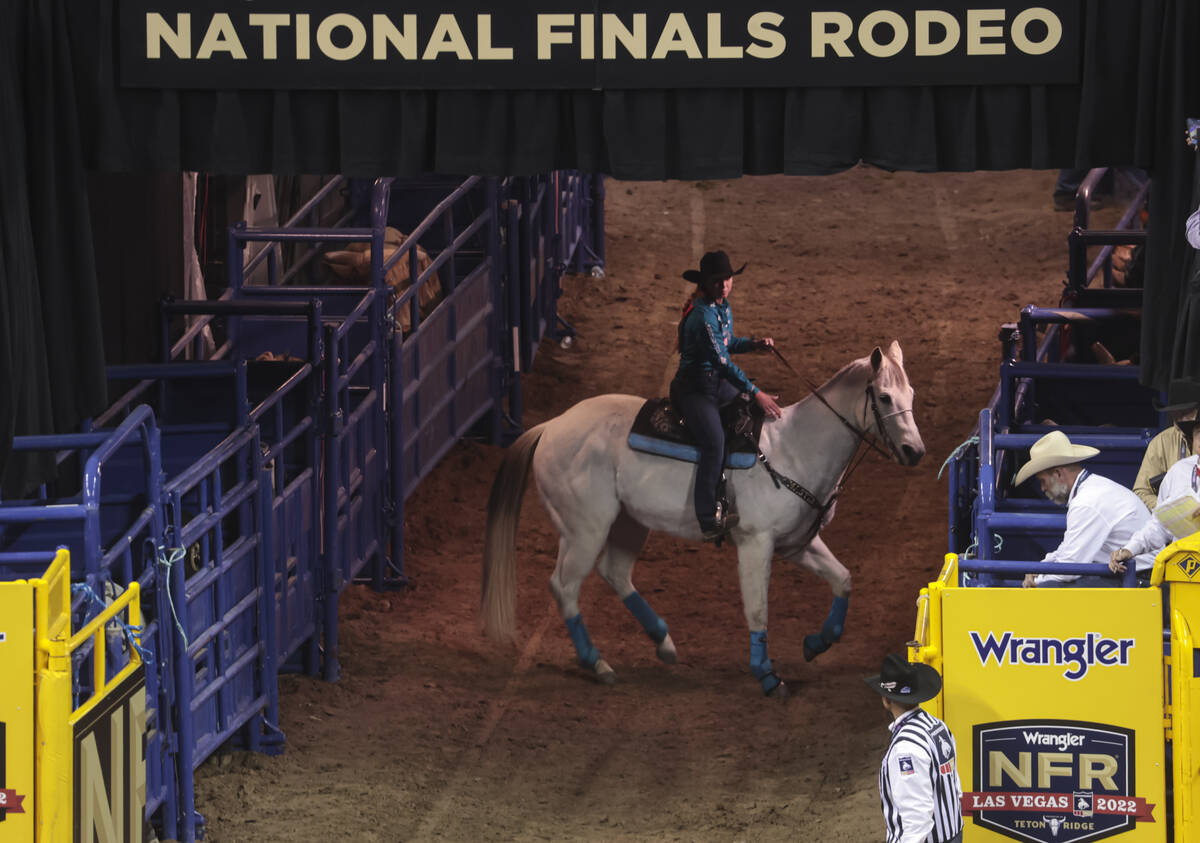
(659, 430)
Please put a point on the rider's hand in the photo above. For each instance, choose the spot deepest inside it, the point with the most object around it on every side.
(1030, 581)
(764, 343)
(1117, 559)
(767, 402)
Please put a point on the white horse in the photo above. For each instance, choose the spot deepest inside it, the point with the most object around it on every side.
(604, 498)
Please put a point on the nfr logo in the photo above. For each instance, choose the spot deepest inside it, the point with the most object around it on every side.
(10, 800)
(1190, 565)
(1065, 781)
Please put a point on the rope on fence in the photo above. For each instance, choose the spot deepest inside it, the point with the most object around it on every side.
(974, 545)
(957, 452)
(132, 633)
(177, 555)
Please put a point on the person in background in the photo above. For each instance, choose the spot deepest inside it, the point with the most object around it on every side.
(1169, 445)
(707, 380)
(1192, 228)
(1069, 179)
(919, 786)
(1101, 515)
(1181, 480)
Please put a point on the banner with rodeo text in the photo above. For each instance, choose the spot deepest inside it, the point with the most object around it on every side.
(603, 44)
(1055, 699)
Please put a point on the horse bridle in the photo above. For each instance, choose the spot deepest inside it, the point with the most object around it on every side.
(861, 434)
(803, 493)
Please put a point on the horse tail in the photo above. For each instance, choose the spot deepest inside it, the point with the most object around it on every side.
(498, 604)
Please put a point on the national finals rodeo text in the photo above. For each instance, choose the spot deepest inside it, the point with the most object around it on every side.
(601, 45)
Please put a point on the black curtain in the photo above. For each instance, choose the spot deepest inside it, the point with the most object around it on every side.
(1186, 302)
(1170, 304)
(1109, 118)
(1138, 81)
(51, 353)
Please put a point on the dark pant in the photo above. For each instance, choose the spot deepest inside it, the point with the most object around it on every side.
(699, 401)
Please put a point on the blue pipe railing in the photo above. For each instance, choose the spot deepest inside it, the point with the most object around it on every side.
(1013, 568)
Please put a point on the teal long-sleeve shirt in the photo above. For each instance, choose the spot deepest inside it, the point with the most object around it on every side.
(706, 342)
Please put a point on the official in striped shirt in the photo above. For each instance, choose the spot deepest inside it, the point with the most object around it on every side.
(918, 780)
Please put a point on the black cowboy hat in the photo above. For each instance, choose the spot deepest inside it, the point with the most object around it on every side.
(713, 265)
(903, 682)
(1182, 394)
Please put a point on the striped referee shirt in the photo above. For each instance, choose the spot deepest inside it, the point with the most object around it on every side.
(918, 781)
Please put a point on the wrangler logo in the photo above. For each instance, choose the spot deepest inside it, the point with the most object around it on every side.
(1078, 655)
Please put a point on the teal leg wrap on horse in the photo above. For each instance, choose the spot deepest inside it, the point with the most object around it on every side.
(655, 626)
(760, 663)
(584, 648)
(831, 630)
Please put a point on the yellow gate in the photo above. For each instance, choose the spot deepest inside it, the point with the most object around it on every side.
(1058, 701)
(67, 773)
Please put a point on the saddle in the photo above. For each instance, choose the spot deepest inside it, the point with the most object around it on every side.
(659, 430)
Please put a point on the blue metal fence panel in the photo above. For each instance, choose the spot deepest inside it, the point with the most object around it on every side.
(112, 522)
(446, 369)
(559, 228)
(200, 403)
(294, 534)
(261, 460)
(224, 597)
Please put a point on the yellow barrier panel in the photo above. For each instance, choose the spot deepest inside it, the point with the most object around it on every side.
(42, 739)
(1178, 568)
(18, 807)
(106, 735)
(925, 647)
(1055, 697)
(53, 596)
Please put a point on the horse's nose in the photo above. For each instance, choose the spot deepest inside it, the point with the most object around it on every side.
(912, 455)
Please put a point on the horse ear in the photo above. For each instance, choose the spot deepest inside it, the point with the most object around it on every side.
(876, 359)
(895, 353)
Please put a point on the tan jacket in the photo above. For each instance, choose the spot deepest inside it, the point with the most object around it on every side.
(1164, 451)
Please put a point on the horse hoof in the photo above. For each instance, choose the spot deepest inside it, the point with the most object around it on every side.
(814, 645)
(780, 691)
(666, 651)
(604, 673)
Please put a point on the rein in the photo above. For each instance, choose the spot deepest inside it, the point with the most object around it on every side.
(860, 434)
(856, 458)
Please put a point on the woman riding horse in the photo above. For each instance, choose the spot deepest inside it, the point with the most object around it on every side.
(708, 380)
(604, 498)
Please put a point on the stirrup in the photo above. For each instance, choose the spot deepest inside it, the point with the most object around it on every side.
(726, 520)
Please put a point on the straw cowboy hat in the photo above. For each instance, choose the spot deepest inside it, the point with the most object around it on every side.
(713, 265)
(901, 681)
(1052, 450)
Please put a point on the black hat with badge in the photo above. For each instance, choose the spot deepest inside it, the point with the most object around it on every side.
(901, 681)
(713, 265)
(1182, 394)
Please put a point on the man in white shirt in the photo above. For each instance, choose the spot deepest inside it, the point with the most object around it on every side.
(919, 788)
(1182, 479)
(1193, 229)
(1101, 515)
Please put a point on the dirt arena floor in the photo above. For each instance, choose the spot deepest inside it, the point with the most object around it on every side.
(434, 734)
